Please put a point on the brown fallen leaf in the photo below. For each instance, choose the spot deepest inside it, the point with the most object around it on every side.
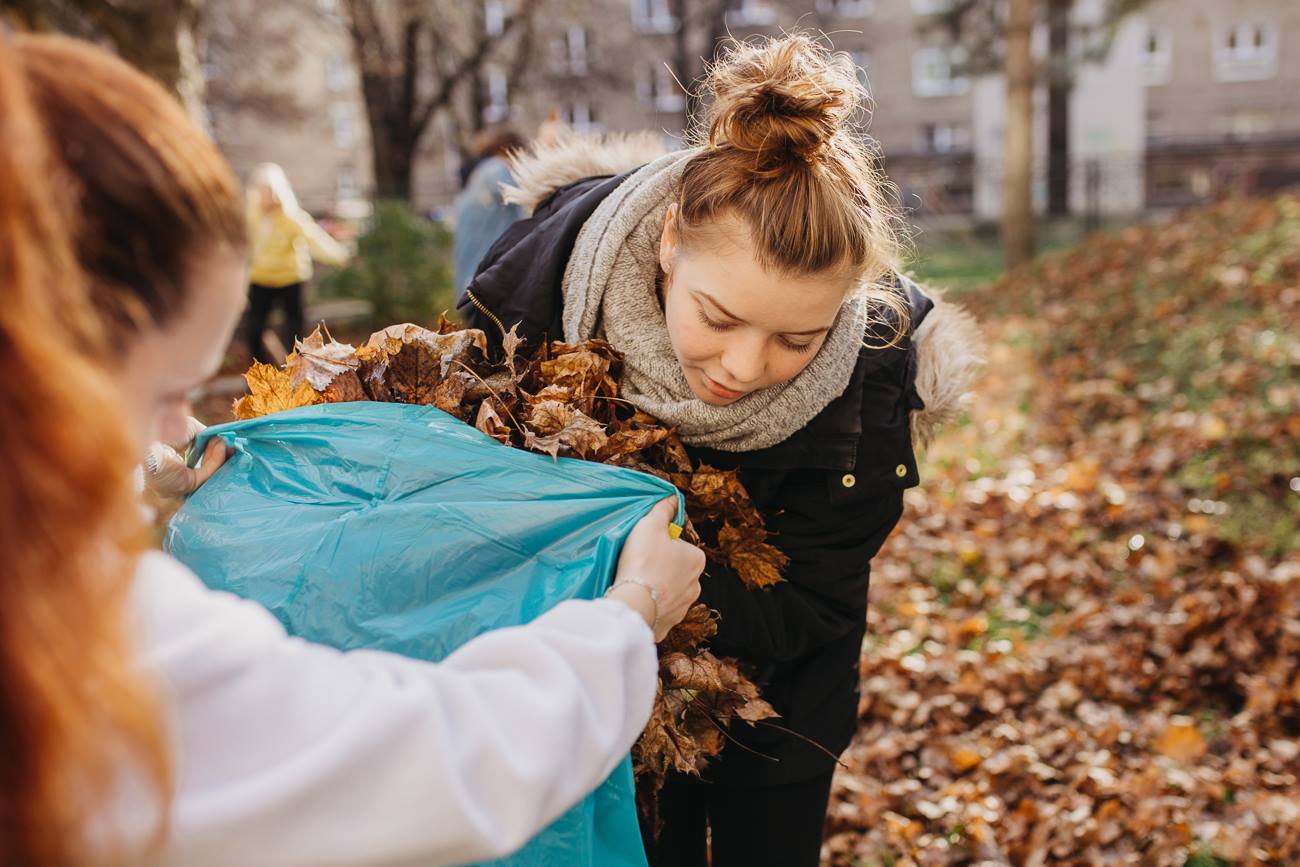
(491, 423)
(756, 561)
(319, 363)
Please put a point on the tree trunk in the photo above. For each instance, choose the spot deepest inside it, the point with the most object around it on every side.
(393, 161)
(158, 37)
(1058, 108)
(166, 48)
(1018, 149)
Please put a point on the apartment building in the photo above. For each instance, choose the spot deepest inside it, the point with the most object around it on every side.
(283, 88)
(1222, 88)
(1193, 98)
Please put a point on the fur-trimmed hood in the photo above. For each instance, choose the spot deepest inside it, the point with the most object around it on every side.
(949, 346)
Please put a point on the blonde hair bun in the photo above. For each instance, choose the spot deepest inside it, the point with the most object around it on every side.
(783, 100)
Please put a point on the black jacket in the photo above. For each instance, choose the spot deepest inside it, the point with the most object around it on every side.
(831, 494)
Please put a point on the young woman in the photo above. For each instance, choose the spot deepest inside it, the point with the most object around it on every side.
(137, 706)
(750, 283)
(284, 239)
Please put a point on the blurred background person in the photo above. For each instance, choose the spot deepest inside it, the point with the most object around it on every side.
(481, 216)
(283, 240)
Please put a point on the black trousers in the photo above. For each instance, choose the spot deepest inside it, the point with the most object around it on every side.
(261, 300)
(753, 826)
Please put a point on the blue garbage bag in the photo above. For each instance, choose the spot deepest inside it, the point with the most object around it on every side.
(400, 528)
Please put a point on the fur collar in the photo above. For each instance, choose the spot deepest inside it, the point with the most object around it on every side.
(949, 346)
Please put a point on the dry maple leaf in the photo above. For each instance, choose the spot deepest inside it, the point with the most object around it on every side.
(758, 563)
(319, 363)
(580, 436)
(270, 391)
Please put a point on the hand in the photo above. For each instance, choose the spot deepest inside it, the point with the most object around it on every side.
(652, 559)
(165, 472)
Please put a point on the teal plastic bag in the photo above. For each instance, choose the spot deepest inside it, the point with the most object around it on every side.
(400, 528)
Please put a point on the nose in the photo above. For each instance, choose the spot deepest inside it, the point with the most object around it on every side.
(745, 359)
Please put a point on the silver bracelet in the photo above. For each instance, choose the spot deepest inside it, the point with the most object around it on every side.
(654, 597)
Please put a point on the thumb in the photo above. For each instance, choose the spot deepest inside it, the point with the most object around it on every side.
(214, 455)
(665, 510)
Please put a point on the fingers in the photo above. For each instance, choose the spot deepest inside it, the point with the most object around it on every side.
(214, 455)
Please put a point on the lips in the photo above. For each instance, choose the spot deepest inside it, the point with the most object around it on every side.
(720, 391)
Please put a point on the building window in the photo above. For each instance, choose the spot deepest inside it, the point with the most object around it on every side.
(933, 72)
(749, 13)
(1157, 57)
(345, 134)
(862, 63)
(657, 89)
(581, 118)
(497, 107)
(336, 71)
(1245, 52)
(653, 16)
(346, 184)
(846, 8)
(575, 41)
(569, 52)
(943, 138)
(931, 7)
(494, 17)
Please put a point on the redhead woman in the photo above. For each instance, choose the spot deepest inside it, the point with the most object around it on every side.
(145, 719)
(751, 282)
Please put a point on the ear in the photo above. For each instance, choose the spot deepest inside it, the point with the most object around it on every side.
(668, 240)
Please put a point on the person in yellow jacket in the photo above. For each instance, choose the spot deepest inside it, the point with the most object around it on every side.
(283, 241)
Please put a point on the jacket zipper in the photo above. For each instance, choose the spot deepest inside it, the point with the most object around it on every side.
(473, 299)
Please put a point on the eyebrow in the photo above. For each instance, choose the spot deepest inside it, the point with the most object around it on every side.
(725, 312)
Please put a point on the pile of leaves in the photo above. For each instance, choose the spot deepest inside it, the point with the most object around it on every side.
(563, 400)
(1085, 638)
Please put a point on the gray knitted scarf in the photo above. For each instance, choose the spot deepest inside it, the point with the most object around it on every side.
(610, 293)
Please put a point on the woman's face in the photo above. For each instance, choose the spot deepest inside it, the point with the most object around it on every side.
(164, 364)
(735, 326)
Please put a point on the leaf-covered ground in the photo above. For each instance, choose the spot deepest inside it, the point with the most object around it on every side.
(1085, 635)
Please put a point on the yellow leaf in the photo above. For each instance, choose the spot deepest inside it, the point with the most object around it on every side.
(270, 391)
(1081, 476)
(964, 758)
(1181, 741)
(1214, 428)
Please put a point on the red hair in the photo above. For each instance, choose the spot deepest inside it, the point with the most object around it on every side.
(108, 193)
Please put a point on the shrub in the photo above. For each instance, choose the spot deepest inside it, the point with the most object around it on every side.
(403, 267)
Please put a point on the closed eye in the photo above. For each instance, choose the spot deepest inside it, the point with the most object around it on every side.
(797, 347)
(713, 324)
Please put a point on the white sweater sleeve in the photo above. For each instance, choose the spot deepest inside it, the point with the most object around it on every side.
(291, 753)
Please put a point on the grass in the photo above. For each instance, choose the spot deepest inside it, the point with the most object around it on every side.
(968, 260)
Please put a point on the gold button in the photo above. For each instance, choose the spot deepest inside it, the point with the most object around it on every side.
(849, 480)
(900, 470)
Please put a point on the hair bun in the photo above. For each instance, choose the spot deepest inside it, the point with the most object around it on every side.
(782, 100)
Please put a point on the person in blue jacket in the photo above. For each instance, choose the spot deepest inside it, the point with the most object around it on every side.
(752, 284)
(480, 213)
